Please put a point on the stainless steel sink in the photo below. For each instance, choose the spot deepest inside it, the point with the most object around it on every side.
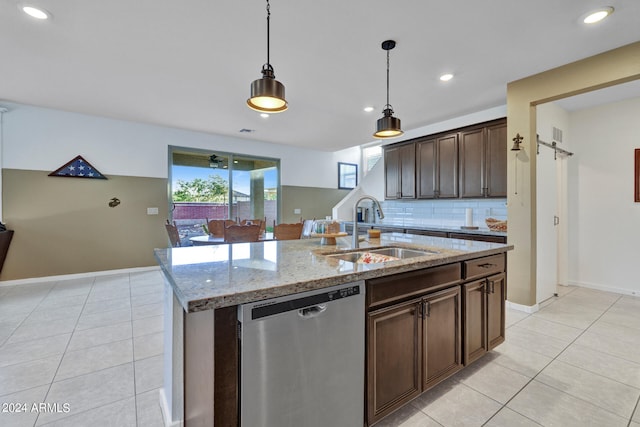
(395, 253)
(402, 252)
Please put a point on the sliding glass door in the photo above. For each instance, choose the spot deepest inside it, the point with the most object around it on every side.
(206, 185)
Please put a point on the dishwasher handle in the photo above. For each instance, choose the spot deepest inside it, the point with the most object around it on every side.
(313, 311)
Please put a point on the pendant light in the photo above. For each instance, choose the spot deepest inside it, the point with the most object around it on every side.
(267, 94)
(388, 126)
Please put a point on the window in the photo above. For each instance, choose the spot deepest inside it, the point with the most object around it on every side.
(347, 175)
(370, 156)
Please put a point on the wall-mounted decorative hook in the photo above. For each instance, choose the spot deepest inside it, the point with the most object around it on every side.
(114, 202)
(516, 147)
(516, 143)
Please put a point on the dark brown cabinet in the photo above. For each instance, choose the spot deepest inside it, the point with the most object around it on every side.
(437, 167)
(434, 233)
(496, 296)
(478, 237)
(442, 335)
(411, 347)
(412, 344)
(475, 324)
(483, 306)
(400, 172)
(470, 162)
(394, 358)
(483, 161)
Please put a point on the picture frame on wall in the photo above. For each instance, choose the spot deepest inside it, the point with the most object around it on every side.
(347, 176)
(636, 181)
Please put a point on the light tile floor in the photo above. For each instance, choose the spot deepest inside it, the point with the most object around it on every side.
(96, 345)
(89, 348)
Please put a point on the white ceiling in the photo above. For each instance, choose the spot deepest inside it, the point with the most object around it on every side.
(190, 64)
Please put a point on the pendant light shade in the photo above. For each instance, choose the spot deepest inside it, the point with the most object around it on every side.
(267, 94)
(388, 126)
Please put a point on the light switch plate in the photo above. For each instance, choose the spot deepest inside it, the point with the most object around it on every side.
(152, 211)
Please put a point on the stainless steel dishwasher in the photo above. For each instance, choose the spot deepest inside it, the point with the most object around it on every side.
(302, 359)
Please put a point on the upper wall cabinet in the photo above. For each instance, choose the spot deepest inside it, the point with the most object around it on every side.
(400, 171)
(469, 163)
(437, 167)
(483, 161)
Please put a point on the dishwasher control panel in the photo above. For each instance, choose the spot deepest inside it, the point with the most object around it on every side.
(275, 306)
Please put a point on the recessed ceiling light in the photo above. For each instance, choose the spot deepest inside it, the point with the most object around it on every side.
(598, 15)
(446, 77)
(368, 109)
(264, 115)
(36, 12)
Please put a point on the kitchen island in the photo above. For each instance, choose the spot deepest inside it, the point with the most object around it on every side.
(205, 285)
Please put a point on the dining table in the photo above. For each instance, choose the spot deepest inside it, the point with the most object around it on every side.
(217, 240)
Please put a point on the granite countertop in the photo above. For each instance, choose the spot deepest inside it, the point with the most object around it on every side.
(209, 277)
(448, 229)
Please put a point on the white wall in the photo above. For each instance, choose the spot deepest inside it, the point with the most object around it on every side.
(45, 139)
(604, 232)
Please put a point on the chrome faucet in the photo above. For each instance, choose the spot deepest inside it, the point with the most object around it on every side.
(355, 217)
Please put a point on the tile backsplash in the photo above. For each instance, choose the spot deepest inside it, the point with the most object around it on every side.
(441, 213)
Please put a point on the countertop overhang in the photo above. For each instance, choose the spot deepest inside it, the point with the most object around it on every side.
(210, 277)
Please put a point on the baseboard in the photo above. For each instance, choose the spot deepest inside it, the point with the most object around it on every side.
(166, 413)
(526, 308)
(622, 291)
(33, 280)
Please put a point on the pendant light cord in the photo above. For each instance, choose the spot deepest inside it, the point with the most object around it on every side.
(387, 80)
(268, 19)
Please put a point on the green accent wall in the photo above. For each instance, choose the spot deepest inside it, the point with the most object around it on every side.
(65, 225)
(313, 201)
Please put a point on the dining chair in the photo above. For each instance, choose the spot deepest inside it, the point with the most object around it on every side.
(174, 236)
(287, 231)
(261, 222)
(216, 227)
(241, 233)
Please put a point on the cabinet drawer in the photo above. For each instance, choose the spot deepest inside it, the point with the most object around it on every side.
(479, 237)
(388, 289)
(434, 233)
(484, 266)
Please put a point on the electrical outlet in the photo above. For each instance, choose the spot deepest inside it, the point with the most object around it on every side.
(297, 211)
(152, 211)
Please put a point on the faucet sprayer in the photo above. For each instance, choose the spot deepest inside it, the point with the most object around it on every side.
(355, 217)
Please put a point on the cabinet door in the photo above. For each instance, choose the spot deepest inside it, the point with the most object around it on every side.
(392, 173)
(475, 318)
(400, 172)
(472, 160)
(496, 164)
(426, 165)
(394, 358)
(442, 335)
(447, 177)
(408, 171)
(496, 295)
